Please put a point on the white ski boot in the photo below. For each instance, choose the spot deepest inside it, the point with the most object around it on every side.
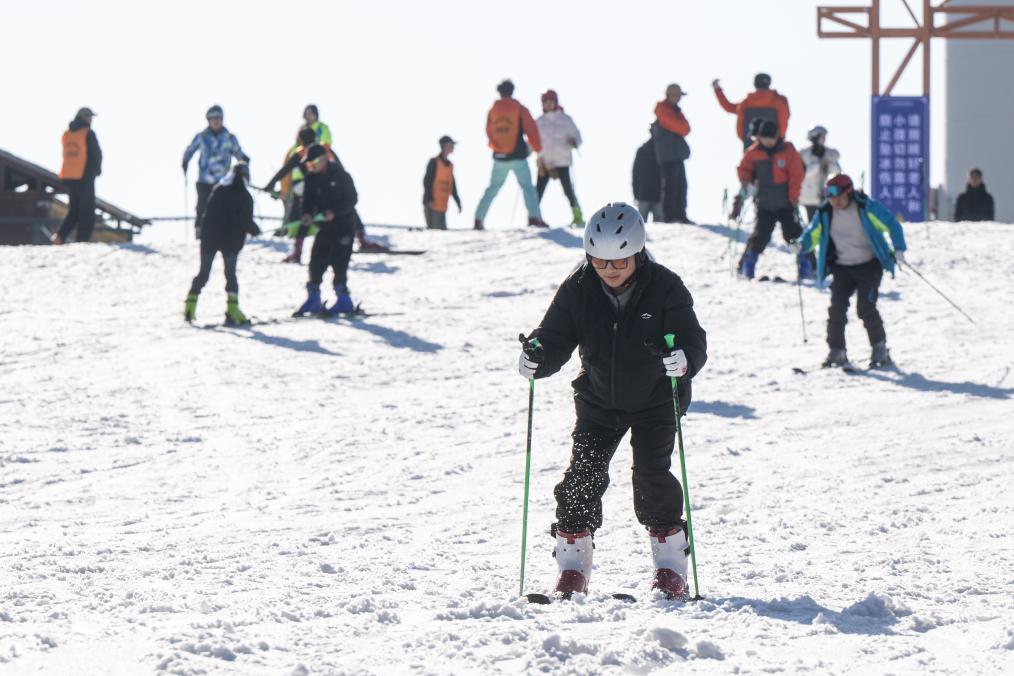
(670, 549)
(573, 554)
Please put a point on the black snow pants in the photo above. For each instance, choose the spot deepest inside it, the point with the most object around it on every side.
(230, 258)
(80, 210)
(864, 281)
(674, 192)
(562, 173)
(332, 247)
(658, 496)
(765, 227)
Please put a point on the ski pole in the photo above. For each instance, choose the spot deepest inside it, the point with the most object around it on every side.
(930, 284)
(186, 206)
(670, 341)
(534, 343)
(802, 317)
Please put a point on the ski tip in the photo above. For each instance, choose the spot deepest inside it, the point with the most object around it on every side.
(540, 599)
(626, 598)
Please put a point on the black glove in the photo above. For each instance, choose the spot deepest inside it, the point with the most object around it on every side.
(737, 207)
(254, 230)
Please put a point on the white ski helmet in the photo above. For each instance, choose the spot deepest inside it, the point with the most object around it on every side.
(615, 231)
(816, 132)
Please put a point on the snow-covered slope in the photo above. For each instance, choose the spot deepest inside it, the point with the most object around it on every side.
(310, 497)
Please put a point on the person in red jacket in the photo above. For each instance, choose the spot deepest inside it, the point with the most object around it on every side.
(669, 132)
(773, 166)
(763, 102)
(507, 125)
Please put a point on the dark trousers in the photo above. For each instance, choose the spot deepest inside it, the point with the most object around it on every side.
(230, 258)
(332, 247)
(80, 209)
(765, 226)
(435, 220)
(562, 173)
(674, 192)
(203, 194)
(658, 496)
(864, 281)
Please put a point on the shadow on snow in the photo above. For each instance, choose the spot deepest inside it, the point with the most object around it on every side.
(870, 616)
(396, 337)
(723, 409)
(563, 237)
(917, 381)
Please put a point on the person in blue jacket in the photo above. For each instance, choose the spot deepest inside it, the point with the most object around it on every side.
(850, 233)
(218, 147)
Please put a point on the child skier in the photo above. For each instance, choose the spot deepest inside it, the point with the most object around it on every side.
(848, 232)
(292, 188)
(773, 165)
(226, 223)
(330, 199)
(617, 307)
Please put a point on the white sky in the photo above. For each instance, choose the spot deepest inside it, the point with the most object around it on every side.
(391, 77)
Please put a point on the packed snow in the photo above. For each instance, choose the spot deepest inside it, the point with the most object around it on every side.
(309, 497)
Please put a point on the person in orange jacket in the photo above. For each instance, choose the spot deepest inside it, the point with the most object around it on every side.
(773, 166)
(669, 132)
(507, 125)
(763, 102)
(439, 186)
(82, 163)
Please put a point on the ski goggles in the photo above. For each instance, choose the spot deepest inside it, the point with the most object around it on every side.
(602, 263)
(835, 191)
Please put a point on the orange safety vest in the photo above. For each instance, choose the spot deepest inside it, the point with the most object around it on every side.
(75, 153)
(443, 185)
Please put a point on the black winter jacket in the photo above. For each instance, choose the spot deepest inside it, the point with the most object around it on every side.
(332, 190)
(228, 218)
(975, 204)
(647, 179)
(621, 353)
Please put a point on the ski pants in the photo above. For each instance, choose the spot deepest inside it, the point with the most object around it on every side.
(230, 258)
(203, 195)
(562, 173)
(435, 220)
(864, 281)
(674, 191)
(658, 496)
(332, 247)
(654, 209)
(496, 180)
(80, 209)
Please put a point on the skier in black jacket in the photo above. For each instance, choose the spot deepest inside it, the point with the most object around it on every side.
(329, 199)
(647, 182)
(616, 308)
(226, 222)
(975, 204)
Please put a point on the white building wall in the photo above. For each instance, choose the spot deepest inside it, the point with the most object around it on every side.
(980, 115)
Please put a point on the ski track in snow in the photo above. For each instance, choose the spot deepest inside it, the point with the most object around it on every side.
(322, 498)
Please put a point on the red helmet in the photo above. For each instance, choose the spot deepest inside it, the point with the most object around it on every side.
(550, 95)
(839, 184)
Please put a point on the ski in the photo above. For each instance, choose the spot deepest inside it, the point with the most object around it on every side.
(777, 279)
(254, 321)
(392, 252)
(544, 600)
(847, 368)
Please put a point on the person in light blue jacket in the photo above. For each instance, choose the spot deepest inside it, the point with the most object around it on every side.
(850, 233)
(218, 147)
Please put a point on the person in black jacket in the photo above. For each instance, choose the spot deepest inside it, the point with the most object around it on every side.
(975, 204)
(329, 200)
(82, 164)
(616, 309)
(226, 222)
(647, 182)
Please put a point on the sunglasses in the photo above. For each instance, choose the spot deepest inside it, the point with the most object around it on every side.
(602, 264)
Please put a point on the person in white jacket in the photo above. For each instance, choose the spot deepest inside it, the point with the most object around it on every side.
(559, 137)
(820, 163)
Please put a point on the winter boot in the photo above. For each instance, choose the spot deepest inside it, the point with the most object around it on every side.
(313, 305)
(479, 225)
(578, 221)
(233, 315)
(343, 305)
(190, 307)
(836, 357)
(804, 266)
(748, 264)
(669, 549)
(573, 554)
(297, 253)
(56, 240)
(536, 222)
(880, 356)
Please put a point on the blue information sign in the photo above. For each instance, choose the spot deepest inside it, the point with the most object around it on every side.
(901, 154)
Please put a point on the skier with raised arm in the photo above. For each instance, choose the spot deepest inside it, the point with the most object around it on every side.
(616, 308)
